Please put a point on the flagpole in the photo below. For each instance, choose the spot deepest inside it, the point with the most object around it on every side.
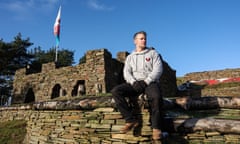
(56, 56)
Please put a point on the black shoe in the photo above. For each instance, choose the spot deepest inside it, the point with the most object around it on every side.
(128, 126)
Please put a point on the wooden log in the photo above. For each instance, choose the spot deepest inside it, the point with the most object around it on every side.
(208, 102)
(187, 103)
(88, 103)
(222, 126)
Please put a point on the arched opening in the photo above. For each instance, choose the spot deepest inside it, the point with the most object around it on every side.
(79, 88)
(30, 96)
(56, 91)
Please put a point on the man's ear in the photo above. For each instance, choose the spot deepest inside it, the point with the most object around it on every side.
(134, 41)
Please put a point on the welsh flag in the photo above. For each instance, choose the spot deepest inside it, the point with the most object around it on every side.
(56, 28)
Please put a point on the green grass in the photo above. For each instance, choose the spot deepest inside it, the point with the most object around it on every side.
(12, 132)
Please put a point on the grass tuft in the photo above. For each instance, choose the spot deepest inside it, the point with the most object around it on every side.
(12, 132)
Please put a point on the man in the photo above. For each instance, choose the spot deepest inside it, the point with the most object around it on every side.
(142, 71)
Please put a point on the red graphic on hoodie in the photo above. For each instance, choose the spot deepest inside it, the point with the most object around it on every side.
(147, 59)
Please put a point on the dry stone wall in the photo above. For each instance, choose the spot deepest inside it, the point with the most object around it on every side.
(95, 126)
(100, 125)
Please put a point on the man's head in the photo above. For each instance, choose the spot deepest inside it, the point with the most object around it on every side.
(140, 40)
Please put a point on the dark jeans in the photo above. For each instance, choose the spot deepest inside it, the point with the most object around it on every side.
(126, 99)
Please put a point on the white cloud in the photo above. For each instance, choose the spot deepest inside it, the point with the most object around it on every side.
(21, 9)
(25, 5)
(96, 5)
(14, 6)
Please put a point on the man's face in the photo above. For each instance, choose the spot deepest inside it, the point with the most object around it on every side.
(140, 41)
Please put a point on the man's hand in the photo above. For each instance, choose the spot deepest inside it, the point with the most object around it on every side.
(143, 84)
(139, 86)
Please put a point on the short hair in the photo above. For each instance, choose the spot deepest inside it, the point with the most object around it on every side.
(140, 32)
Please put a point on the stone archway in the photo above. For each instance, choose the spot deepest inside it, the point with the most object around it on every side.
(56, 91)
(30, 96)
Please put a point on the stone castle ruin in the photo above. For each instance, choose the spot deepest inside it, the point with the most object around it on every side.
(99, 74)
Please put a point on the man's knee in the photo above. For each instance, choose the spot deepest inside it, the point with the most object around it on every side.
(117, 91)
(114, 91)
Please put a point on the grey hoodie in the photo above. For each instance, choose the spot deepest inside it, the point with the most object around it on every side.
(145, 65)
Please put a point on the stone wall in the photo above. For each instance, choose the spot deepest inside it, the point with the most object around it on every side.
(98, 125)
(168, 81)
(216, 74)
(222, 91)
(98, 75)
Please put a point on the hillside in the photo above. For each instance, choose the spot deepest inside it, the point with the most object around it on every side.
(210, 83)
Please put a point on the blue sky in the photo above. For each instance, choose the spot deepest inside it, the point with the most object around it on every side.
(191, 35)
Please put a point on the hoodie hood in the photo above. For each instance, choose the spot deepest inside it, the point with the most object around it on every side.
(142, 52)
